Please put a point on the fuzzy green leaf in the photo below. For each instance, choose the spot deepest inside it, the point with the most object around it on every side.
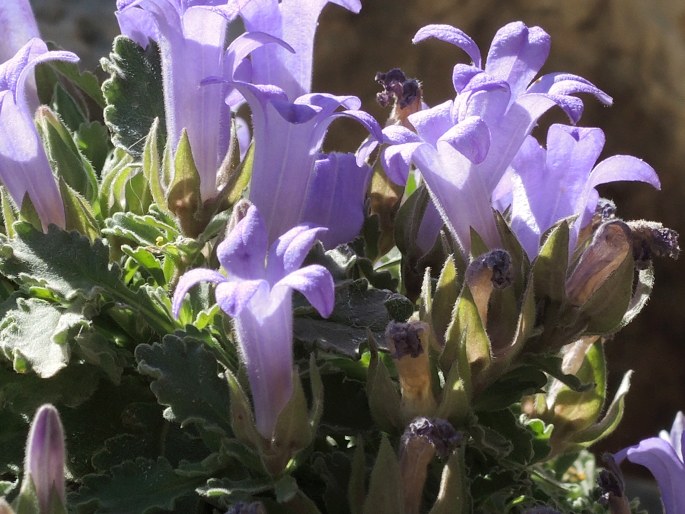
(186, 380)
(385, 495)
(133, 93)
(138, 486)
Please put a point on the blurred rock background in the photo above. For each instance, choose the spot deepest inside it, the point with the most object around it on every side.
(632, 49)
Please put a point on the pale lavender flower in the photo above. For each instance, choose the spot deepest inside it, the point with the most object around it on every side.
(559, 182)
(257, 293)
(24, 167)
(294, 22)
(464, 146)
(44, 464)
(663, 457)
(18, 27)
(191, 37)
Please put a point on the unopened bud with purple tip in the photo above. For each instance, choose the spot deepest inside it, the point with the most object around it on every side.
(422, 440)
(44, 464)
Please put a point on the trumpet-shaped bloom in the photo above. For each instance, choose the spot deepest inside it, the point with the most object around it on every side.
(257, 293)
(559, 182)
(464, 146)
(18, 27)
(663, 457)
(191, 36)
(24, 167)
(292, 21)
(288, 137)
(45, 453)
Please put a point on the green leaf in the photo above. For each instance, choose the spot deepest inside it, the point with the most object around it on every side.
(70, 73)
(510, 388)
(133, 94)
(146, 260)
(34, 334)
(385, 495)
(134, 486)
(78, 213)
(66, 160)
(358, 308)
(92, 140)
(67, 107)
(186, 381)
(36, 259)
(142, 230)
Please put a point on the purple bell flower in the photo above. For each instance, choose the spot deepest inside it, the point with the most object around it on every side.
(257, 294)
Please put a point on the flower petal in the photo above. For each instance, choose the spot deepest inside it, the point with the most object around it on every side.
(288, 252)
(665, 465)
(243, 251)
(470, 137)
(450, 35)
(314, 282)
(234, 295)
(335, 199)
(188, 280)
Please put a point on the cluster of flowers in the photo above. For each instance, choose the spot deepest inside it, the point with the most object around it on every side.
(474, 152)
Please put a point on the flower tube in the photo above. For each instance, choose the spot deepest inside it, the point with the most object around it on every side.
(24, 167)
(258, 296)
(191, 38)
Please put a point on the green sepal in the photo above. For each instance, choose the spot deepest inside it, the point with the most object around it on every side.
(8, 212)
(550, 266)
(293, 431)
(454, 404)
(152, 165)
(643, 290)
(610, 421)
(186, 381)
(242, 420)
(27, 501)
(66, 160)
(78, 213)
(407, 224)
(117, 169)
(453, 495)
(385, 491)
(238, 178)
(466, 340)
(383, 396)
(445, 299)
(519, 259)
(183, 195)
(133, 94)
(478, 246)
(28, 213)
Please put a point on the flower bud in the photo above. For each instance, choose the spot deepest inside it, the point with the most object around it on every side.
(247, 508)
(406, 342)
(492, 270)
(608, 249)
(422, 440)
(44, 464)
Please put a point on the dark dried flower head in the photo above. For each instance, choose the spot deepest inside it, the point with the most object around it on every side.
(404, 339)
(397, 87)
(542, 509)
(497, 263)
(438, 432)
(605, 210)
(652, 239)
